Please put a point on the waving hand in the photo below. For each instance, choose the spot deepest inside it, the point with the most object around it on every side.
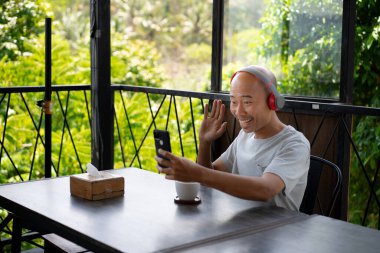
(212, 126)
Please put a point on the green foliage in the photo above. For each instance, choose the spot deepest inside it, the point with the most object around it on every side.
(367, 54)
(198, 53)
(168, 22)
(367, 139)
(302, 41)
(176, 28)
(28, 70)
(136, 63)
(242, 15)
(366, 130)
(19, 20)
(19, 144)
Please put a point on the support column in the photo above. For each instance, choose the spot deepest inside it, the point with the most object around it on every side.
(101, 93)
(346, 89)
(217, 45)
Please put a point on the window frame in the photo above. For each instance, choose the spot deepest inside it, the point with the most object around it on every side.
(346, 62)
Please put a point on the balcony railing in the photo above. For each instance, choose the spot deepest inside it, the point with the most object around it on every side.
(19, 111)
(138, 110)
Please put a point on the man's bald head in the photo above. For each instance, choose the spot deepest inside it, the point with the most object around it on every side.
(268, 79)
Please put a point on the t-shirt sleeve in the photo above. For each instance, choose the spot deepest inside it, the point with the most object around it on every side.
(291, 163)
(229, 156)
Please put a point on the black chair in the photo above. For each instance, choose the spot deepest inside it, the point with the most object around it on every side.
(317, 166)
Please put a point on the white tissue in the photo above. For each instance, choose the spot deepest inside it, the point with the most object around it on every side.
(92, 170)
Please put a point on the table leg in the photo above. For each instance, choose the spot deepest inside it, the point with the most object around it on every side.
(16, 235)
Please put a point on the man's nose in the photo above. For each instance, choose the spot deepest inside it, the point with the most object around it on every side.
(239, 109)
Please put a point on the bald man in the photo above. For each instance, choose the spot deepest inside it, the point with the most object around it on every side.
(268, 160)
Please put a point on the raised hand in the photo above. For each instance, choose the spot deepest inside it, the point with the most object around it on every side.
(212, 126)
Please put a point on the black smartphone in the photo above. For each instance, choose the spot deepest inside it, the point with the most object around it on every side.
(162, 141)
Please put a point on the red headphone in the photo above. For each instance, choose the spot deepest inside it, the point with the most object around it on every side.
(275, 101)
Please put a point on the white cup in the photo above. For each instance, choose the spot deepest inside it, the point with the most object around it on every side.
(187, 190)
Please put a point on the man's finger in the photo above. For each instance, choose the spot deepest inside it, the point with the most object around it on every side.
(161, 161)
(221, 112)
(205, 113)
(159, 168)
(213, 109)
(217, 109)
(170, 177)
(166, 154)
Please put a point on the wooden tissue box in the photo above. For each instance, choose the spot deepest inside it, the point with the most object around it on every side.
(96, 188)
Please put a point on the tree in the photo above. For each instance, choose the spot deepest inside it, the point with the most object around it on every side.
(366, 93)
(302, 40)
(19, 21)
(367, 54)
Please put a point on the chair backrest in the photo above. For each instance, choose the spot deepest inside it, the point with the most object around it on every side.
(317, 166)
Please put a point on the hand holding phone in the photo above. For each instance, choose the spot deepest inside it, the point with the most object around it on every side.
(162, 141)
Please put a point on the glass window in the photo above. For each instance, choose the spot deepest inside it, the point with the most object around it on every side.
(161, 43)
(300, 41)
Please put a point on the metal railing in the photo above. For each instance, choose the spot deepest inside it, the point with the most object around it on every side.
(20, 104)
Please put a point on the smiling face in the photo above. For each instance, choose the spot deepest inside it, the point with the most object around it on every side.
(249, 104)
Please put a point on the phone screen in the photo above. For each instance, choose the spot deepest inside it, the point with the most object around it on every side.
(162, 141)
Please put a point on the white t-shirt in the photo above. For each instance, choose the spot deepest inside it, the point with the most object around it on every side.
(286, 154)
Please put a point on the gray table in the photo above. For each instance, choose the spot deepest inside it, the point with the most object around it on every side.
(315, 234)
(146, 219)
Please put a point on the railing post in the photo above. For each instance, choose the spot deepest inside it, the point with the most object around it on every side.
(101, 92)
(47, 106)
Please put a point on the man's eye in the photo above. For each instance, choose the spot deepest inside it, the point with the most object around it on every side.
(247, 102)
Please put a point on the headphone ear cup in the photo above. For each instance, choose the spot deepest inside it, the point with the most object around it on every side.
(272, 102)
